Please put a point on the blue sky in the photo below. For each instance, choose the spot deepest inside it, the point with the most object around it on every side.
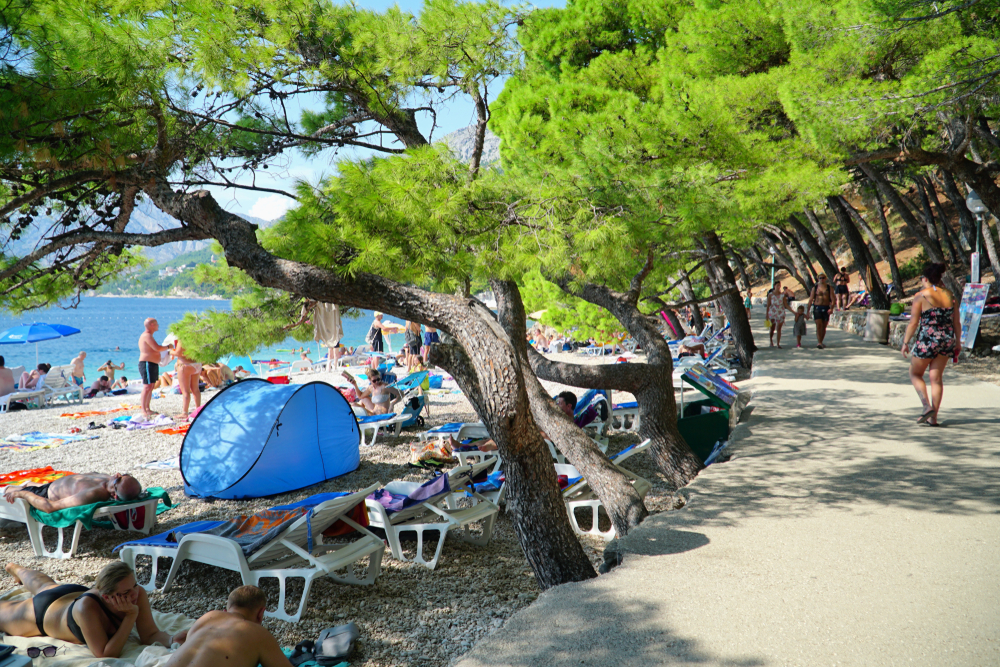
(283, 175)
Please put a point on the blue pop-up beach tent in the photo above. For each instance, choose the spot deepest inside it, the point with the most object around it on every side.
(257, 439)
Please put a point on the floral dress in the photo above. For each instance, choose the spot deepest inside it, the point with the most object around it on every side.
(776, 307)
(937, 334)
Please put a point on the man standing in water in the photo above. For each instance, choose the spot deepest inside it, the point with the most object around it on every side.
(821, 300)
(149, 362)
(76, 368)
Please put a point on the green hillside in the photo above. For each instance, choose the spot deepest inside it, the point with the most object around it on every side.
(149, 281)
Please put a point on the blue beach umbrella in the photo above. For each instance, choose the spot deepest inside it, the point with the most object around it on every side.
(34, 333)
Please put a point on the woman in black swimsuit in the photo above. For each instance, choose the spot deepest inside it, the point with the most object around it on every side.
(101, 617)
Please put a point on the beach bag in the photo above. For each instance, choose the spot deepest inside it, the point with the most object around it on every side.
(335, 644)
(767, 323)
(370, 336)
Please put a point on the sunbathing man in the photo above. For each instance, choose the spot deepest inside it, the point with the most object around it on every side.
(76, 490)
(234, 637)
(101, 617)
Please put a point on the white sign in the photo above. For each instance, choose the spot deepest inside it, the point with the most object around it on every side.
(971, 311)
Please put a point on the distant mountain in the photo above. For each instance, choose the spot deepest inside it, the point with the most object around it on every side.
(146, 218)
(463, 142)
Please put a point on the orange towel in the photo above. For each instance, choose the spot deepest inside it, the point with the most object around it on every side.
(96, 413)
(36, 475)
(175, 430)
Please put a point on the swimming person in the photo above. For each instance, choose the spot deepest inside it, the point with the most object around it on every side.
(101, 617)
(935, 312)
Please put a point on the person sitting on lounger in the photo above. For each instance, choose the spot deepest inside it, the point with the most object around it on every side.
(35, 379)
(75, 491)
(567, 403)
(234, 637)
(101, 617)
(378, 398)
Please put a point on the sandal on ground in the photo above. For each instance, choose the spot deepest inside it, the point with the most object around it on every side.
(924, 417)
(929, 424)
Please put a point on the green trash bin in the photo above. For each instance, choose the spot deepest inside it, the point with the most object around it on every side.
(701, 427)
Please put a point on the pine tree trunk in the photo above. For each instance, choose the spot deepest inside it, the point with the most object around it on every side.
(676, 330)
(967, 226)
(738, 261)
(485, 367)
(799, 258)
(869, 232)
(758, 261)
(811, 244)
(687, 293)
(938, 224)
(722, 276)
(620, 499)
(897, 278)
(991, 250)
(896, 201)
(821, 238)
(863, 260)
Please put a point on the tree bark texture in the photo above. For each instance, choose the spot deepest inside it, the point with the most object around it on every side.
(687, 293)
(869, 232)
(651, 383)
(741, 267)
(812, 245)
(966, 223)
(897, 278)
(722, 275)
(489, 372)
(936, 224)
(932, 251)
(803, 269)
(620, 499)
(863, 260)
(821, 237)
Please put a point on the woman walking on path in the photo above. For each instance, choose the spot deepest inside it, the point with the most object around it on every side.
(935, 312)
(777, 304)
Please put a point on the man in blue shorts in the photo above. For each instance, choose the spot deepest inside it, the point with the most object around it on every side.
(149, 362)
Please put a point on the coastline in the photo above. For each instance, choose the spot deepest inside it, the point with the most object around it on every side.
(212, 297)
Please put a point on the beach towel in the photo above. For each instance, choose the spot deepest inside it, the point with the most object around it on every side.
(170, 538)
(139, 422)
(35, 476)
(96, 413)
(165, 464)
(251, 532)
(395, 502)
(39, 440)
(175, 430)
(85, 513)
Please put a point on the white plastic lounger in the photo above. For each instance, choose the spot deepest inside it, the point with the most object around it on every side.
(602, 444)
(393, 424)
(579, 495)
(283, 557)
(434, 514)
(36, 396)
(627, 415)
(20, 511)
(59, 384)
(459, 430)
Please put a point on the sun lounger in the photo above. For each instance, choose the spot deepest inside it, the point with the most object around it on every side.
(36, 396)
(297, 550)
(627, 416)
(579, 496)
(391, 422)
(137, 515)
(59, 383)
(458, 430)
(419, 508)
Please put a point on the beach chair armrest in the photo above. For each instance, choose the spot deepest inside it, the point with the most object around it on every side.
(212, 550)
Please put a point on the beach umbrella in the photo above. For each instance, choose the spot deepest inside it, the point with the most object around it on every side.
(35, 333)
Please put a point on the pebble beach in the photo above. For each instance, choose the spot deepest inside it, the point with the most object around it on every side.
(411, 615)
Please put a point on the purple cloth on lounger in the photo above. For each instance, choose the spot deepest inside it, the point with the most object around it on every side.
(395, 502)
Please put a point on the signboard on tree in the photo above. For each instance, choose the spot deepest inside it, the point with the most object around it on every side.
(971, 311)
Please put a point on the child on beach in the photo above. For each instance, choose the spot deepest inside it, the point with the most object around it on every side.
(800, 325)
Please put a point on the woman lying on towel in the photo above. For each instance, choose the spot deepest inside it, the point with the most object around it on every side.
(101, 617)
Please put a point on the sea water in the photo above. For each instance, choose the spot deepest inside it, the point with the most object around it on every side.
(110, 328)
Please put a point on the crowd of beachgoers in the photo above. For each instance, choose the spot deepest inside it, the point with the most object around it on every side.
(411, 614)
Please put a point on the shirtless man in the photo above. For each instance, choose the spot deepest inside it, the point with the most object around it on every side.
(821, 299)
(234, 637)
(6, 379)
(149, 362)
(76, 490)
(76, 368)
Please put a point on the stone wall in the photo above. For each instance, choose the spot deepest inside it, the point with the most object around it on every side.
(853, 321)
